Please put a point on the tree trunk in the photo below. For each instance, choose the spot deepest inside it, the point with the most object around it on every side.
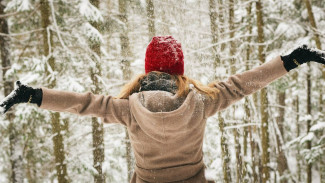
(313, 24)
(224, 152)
(97, 126)
(232, 53)
(296, 105)
(264, 101)
(58, 146)
(8, 85)
(221, 20)
(254, 152)
(125, 63)
(281, 158)
(319, 46)
(224, 146)
(214, 32)
(213, 27)
(309, 145)
(151, 19)
(246, 104)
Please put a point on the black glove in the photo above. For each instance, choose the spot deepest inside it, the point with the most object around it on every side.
(22, 94)
(302, 55)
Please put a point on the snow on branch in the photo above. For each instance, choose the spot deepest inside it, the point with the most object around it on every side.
(318, 126)
(92, 33)
(19, 5)
(90, 12)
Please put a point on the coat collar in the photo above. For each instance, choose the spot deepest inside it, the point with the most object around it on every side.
(158, 81)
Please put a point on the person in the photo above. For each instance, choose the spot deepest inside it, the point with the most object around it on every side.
(164, 111)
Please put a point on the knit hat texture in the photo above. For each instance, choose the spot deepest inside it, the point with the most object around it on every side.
(164, 54)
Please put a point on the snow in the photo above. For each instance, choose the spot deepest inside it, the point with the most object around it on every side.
(92, 33)
(11, 95)
(90, 12)
(19, 5)
(239, 113)
(305, 117)
(12, 70)
(286, 27)
(291, 29)
(308, 137)
(318, 126)
(2, 110)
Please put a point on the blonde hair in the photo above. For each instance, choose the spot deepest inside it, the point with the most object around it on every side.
(182, 82)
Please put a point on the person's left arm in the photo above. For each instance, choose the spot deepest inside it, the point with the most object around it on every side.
(103, 106)
(87, 104)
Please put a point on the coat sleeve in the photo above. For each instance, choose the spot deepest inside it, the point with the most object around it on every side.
(111, 110)
(239, 85)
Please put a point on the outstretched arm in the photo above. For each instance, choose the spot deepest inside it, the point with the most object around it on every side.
(239, 85)
(106, 107)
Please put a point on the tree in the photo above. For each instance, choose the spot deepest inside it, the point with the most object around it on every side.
(214, 28)
(16, 157)
(125, 63)
(224, 151)
(281, 158)
(319, 46)
(151, 18)
(263, 98)
(248, 131)
(58, 146)
(97, 126)
(223, 139)
(232, 53)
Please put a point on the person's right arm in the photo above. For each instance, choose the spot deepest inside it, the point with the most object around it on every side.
(240, 85)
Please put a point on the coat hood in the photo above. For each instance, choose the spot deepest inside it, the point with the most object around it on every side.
(161, 112)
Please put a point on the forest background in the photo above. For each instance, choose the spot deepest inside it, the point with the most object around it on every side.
(275, 135)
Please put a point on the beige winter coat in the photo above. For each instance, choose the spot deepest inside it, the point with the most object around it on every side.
(166, 133)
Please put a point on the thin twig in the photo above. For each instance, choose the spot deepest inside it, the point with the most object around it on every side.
(9, 14)
(22, 33)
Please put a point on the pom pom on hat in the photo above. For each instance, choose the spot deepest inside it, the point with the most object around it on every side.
(164, 54)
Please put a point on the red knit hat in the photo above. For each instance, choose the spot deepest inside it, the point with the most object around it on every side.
(164, 54)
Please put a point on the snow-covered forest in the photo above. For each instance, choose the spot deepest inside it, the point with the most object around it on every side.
(275, 135)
